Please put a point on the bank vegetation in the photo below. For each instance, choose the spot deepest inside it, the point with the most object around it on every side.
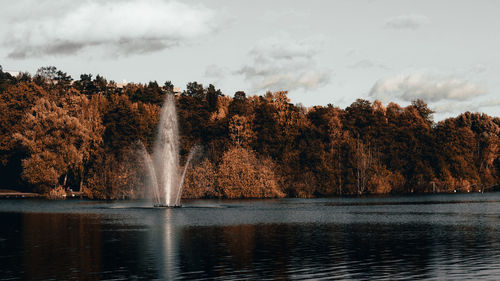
(59, 133)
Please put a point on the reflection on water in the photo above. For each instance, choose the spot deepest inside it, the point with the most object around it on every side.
(391, 238)
(164, 238)
(50, 244)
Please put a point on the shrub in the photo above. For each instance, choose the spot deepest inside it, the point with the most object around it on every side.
(56, 193)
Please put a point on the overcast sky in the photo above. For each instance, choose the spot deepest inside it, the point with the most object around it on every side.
(444, 52)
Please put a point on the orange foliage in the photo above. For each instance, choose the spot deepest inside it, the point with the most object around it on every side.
(200, 181)
(242, 175)
(56, 132)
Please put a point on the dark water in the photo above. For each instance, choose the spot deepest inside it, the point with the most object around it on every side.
(425, 237)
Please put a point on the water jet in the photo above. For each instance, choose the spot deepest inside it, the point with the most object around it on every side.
(162, 166)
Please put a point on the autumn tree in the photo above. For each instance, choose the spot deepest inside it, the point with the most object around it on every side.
(121, 120)
(53, 139)
(200, 180)
(195, 90)
(242, 175)
(212, 97)
(469, 149)
(15, 102)
(336, 140)
(46, 75)
(364, 162)
(119, 176)
(80, 133)
(240, 130)
(87, 112)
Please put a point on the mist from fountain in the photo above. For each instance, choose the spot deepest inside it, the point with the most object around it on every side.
(162, 166)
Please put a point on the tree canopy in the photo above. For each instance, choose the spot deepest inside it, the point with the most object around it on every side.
(60, 132)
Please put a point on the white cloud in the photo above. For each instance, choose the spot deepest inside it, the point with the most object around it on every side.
(283, 15)
(479, 68)
(282, 64)
(214, 71)
(430, 88)
(454, 108)
(490, 103)
(365, 64)
(407, 22)
(120, 27)
(278, 49)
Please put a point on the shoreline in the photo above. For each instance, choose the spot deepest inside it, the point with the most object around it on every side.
(13, 194)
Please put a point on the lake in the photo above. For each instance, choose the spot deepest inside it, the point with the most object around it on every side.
(449, 236)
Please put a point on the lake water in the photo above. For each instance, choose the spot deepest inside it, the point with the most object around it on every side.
(454, 236)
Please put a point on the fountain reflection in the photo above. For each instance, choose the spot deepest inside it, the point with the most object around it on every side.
(164, 238)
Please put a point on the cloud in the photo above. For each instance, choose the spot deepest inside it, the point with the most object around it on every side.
(407, 22)
(455, 108)
(215, 74)
(214, 71)
(281, 64)
(479, 68)
(284, 15)
(430, 88)
(119, 27)
(365, 64)
(490, 103)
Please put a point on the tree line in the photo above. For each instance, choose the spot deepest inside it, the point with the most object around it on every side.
(58, 133)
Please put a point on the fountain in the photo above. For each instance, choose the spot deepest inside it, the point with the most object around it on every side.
(162, 166)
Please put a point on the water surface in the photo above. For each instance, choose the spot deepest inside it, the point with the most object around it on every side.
(453, 236)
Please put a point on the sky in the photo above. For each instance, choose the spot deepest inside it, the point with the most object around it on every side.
(322, 52)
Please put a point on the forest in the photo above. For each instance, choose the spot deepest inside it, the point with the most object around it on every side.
(59, 133)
